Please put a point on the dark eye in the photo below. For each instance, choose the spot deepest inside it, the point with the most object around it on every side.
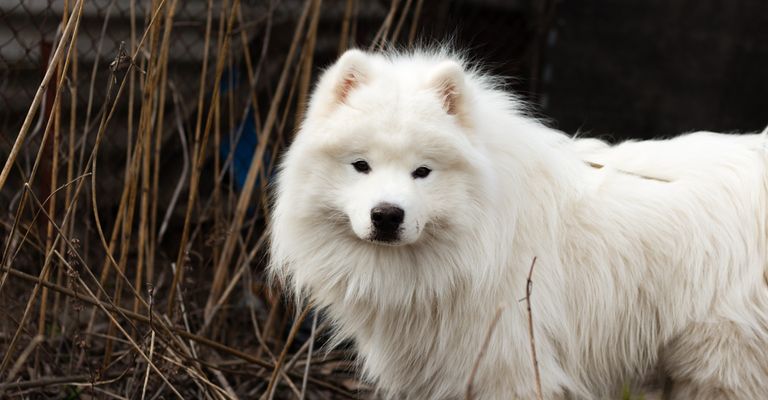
(361, 166)
(421, 172)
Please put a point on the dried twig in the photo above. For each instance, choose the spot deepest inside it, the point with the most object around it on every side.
(125, 313)
(652, 178)
(380, 39)
(528, 288)
(63, 260)
(48, 381)
(199, 152)
(52, 68)
(278, 365)
(344, 37)
(486, 342)
(22, 358)
(244, 200)
(308, 58)
(311, 342)
(151, 353)
(415, 22)
(401, 21)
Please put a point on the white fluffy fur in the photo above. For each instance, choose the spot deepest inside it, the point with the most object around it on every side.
(634, 275)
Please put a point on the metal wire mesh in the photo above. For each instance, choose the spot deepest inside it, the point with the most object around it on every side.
(28, 28)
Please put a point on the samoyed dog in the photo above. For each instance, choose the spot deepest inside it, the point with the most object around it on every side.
(417, 193)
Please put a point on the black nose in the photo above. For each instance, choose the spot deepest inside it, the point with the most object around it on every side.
(387, 217)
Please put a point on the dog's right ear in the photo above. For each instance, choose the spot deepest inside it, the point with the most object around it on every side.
(351, 72)
(448, 81)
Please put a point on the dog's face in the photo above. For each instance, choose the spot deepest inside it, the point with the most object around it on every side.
(393, 185)
(385, 153)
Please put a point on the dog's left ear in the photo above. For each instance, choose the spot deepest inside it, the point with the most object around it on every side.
(352, 71)
(448, 82)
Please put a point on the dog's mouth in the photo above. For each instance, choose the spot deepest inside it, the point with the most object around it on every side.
(386, 238)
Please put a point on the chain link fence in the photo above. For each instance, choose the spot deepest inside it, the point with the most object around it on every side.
(29, 28)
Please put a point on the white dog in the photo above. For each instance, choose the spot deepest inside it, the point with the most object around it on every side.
(416, 194)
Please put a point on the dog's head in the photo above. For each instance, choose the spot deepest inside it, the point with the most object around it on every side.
(385, 152)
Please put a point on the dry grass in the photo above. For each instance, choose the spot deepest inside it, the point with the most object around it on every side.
(156, 290)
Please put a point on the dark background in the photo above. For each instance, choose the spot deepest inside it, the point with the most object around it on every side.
(617, 69)
(625, 69)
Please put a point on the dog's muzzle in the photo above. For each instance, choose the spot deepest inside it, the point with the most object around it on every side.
(387, 220)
